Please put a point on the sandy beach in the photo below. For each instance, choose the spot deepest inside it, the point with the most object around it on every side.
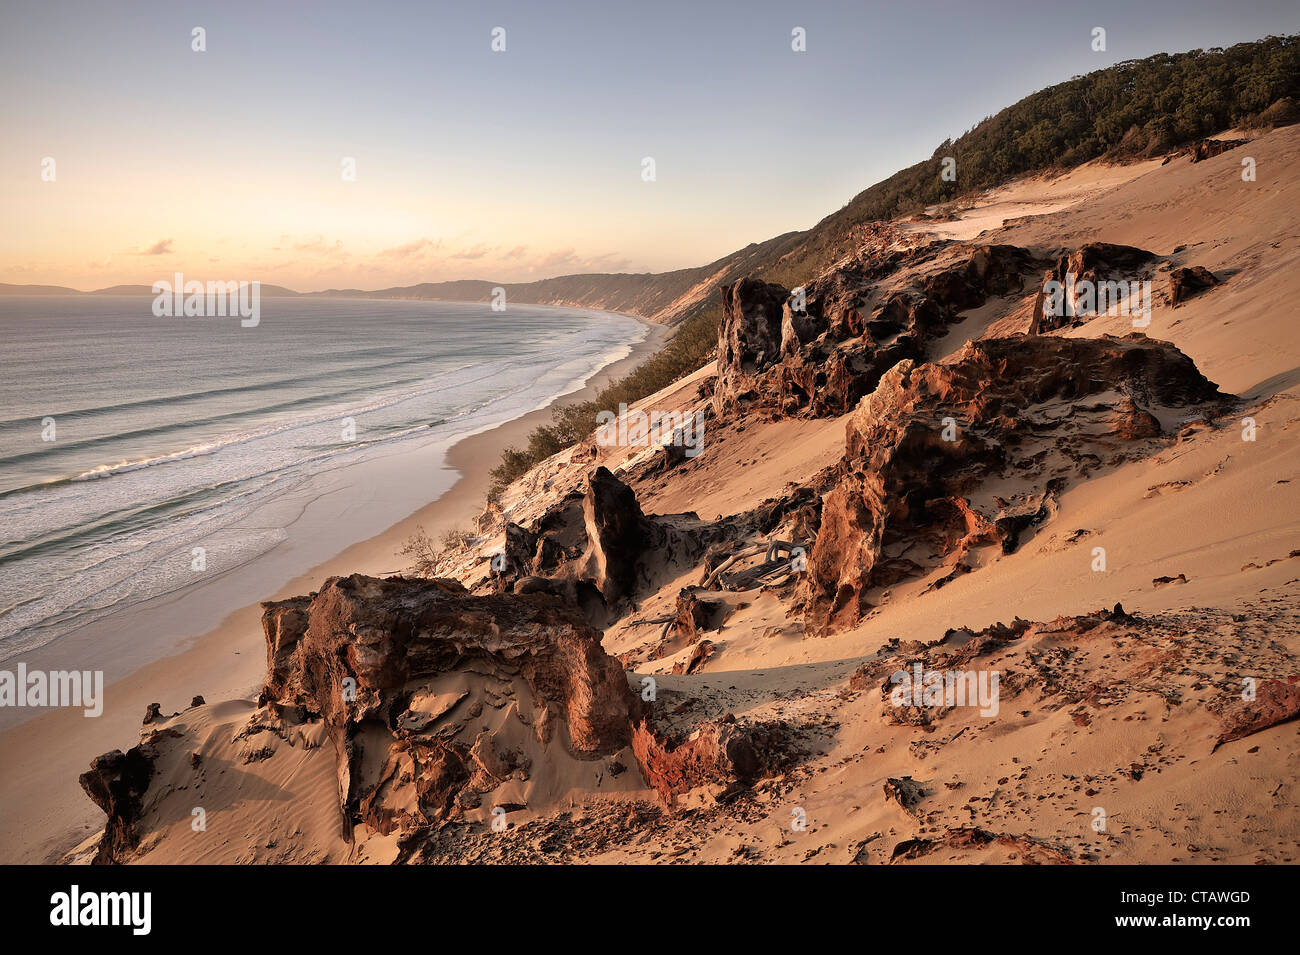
(174, 648)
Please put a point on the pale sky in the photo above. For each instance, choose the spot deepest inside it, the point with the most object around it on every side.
(227, 164)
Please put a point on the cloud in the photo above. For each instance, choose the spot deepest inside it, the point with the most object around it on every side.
(316, 244)
(477, 252)
(562, 258)
(609, 262)
(409, 249)
(517, 252)
(161, 247)
(564, 261)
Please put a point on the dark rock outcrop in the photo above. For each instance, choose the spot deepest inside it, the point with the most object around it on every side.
(749, 339)
(597, 549)
(117, 782)
(1033, 411)
(1094, 263)
(820, 359)
(1184, 283)
(399, 669)
(1209, 148)
(617, 535)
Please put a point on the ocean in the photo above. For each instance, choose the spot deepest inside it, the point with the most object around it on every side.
(140, 454)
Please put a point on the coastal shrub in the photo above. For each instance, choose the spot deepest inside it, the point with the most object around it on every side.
(423, 552)
(691, 346)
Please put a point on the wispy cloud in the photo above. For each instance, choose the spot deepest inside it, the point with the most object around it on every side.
(409, 249)
(477, 252)
(161, 247)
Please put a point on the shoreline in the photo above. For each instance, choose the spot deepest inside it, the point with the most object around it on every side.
(45, 811)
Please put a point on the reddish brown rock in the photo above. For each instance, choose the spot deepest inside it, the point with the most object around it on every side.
(697, 614)
(851, 328)
(117, 782)
(1094, 263)
(699, 655)
(1276, 701)
(1184, 283)
(375, 659)
(749, 339)
(1027, 410)
(723, 752)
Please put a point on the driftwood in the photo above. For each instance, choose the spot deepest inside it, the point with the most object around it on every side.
(717, 571)
(773, 568)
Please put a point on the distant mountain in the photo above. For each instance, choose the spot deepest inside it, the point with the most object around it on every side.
(276, 291)
(660, 296)
(7, 289)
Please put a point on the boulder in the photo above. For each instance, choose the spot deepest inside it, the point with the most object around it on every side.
(1186, 282)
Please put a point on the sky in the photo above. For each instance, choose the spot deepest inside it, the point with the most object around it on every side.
(512, 165)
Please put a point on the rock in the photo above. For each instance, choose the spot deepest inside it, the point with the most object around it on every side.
(699, 655)
(283, 622)
(617, 535)
(117, 782)
(749, 339)
(1025, 849)
(721, 752)
(537, 585)
(516, 557)
(901, 484)
(1184, 283)
(197, 701)
(830, 353)
(373, 659)
(907, 792)
(1094, 263)
(697, 613)
(1276, 701)
(1209, 148)
(153, 714)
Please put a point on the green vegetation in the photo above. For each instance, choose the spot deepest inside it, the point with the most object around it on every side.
(1133, 110)
(690, 347)
(1136, 109)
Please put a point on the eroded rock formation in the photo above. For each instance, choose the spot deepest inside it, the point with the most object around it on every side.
(723, 751)
(117, 782)
(1184, 283)
(1031, 411)
(400, 670)
(1088, 267)
(818, 353)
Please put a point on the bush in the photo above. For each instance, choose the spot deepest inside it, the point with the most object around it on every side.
(691, 347)
(424, 554)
